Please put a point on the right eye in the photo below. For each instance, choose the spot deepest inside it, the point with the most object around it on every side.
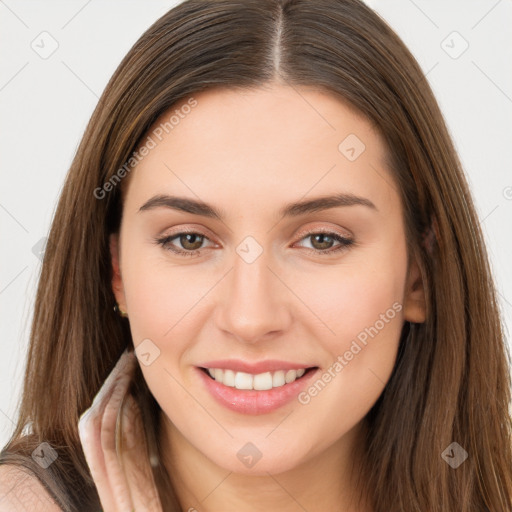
(191, 242)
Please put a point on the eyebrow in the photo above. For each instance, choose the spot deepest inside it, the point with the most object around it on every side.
(295, 209)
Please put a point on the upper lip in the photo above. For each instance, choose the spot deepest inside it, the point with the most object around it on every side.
(269, 365)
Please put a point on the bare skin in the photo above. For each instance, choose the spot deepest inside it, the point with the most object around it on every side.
(249, 154)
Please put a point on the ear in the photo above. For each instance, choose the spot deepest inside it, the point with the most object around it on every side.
(414, 299)
(117, 282)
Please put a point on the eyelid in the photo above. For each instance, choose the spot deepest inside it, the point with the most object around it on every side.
(325, 230)
(184, 230)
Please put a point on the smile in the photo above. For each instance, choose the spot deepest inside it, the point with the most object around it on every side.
(259, 382)
(255, 393)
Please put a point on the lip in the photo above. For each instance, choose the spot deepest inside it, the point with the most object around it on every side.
(253, 402)
(269, 365)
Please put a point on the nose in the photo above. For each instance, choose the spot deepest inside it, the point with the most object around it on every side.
(255, 304)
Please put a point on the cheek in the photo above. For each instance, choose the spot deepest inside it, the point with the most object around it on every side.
(349, 300)
(364, 310)
(163, 299)
(164, 302)
(361, 303)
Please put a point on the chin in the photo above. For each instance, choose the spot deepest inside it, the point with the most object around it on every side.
(257, 458)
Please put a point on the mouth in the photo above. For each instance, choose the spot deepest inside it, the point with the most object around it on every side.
(258, 382)
(255, 393)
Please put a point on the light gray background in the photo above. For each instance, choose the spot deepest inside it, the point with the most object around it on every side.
(45, 104)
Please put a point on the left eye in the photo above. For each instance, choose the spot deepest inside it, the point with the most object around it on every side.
(191, 242)
(326, 246)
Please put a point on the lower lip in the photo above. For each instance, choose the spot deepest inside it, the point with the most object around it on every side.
(248, 401)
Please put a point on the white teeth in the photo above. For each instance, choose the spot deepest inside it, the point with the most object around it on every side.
(262, 381)
(259, 382)
(290, 376)
(242, 380)
(229, 378)
(278, 379)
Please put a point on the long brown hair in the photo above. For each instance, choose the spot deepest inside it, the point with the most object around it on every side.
(451, 381)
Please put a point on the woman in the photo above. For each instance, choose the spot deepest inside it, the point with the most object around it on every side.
(267, 207)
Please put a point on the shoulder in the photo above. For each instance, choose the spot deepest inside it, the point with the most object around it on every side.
(21, 491)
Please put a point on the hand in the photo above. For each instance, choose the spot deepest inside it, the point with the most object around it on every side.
(124, 482)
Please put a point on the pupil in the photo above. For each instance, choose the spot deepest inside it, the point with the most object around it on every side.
(187, 241)
(321, 236)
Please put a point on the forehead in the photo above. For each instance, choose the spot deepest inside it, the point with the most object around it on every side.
(283, 141)
(306, 113)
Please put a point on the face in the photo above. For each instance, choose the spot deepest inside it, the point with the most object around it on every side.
(295, 310)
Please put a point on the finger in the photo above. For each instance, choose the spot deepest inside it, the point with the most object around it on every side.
(135, 461)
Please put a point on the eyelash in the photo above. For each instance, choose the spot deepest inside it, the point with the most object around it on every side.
(344, 242)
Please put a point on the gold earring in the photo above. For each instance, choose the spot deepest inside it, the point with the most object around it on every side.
(118, 310)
